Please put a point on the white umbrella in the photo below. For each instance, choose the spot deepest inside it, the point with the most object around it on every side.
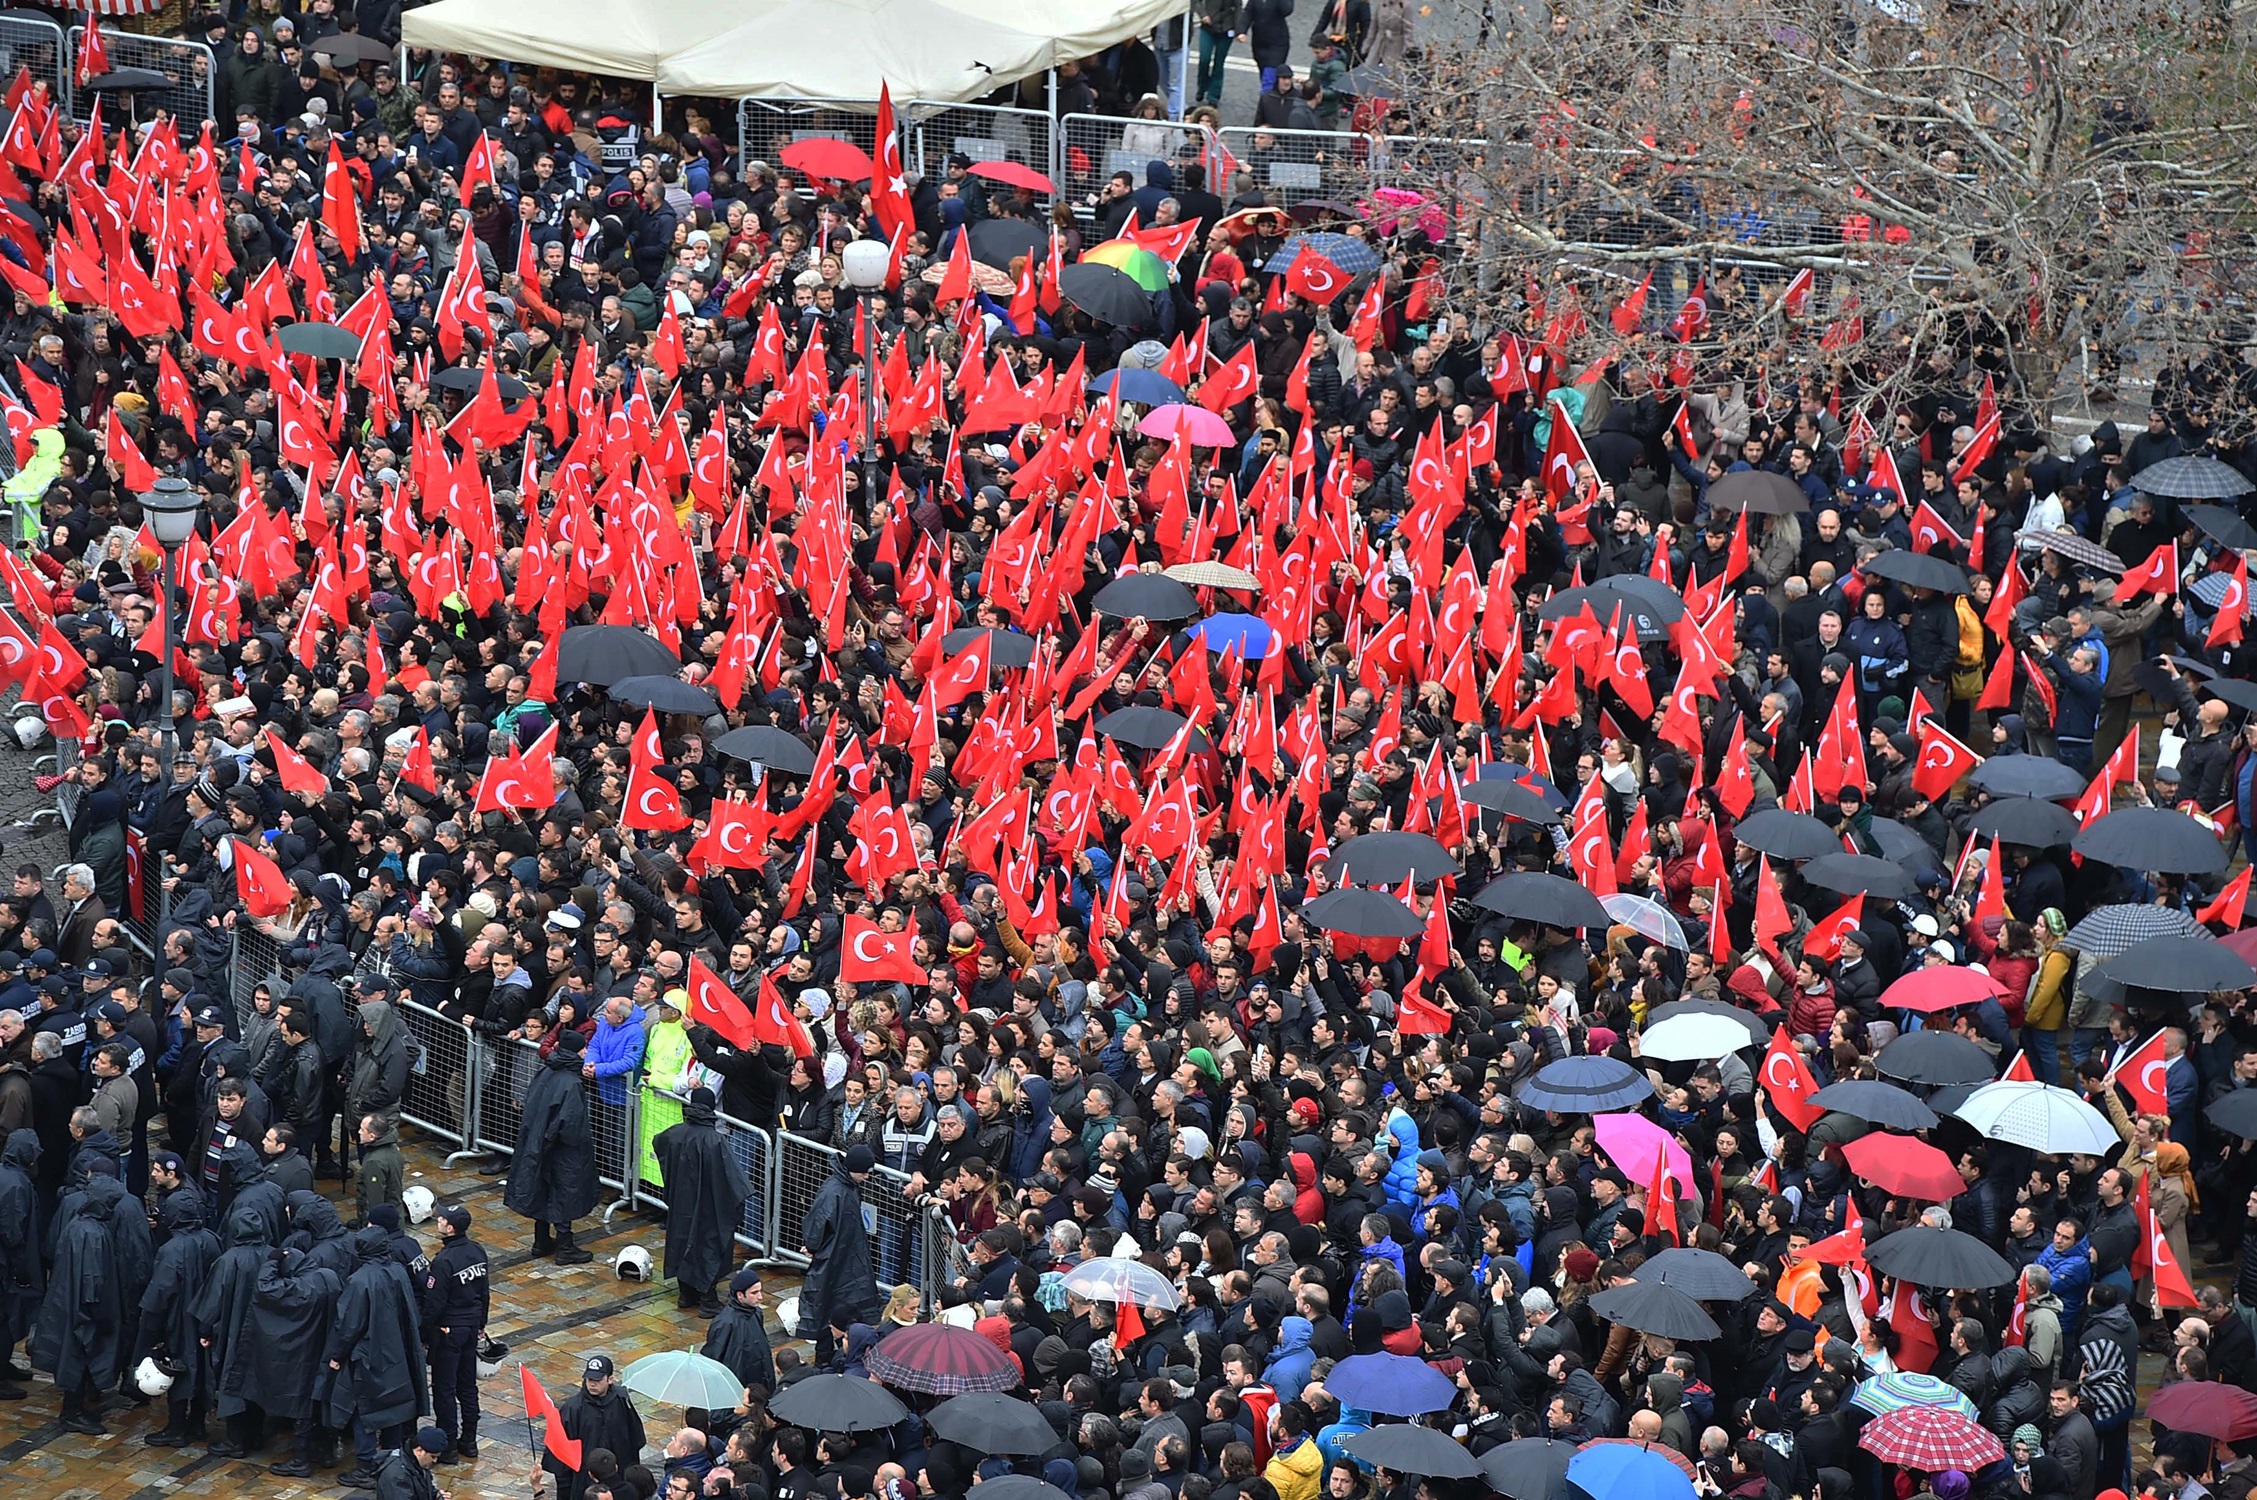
(1116, 1278)
(1692, 1038)
(1649, 919)
(2039, 1116)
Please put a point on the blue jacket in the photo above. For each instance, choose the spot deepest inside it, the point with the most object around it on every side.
(1290, 1364)
(617, 1052)
(2072, 1276)
(1401, 1182)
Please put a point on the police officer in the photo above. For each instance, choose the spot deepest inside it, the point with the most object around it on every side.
(456, 1297)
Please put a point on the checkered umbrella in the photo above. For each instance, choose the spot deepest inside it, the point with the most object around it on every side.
(2108, 930)
(2192, 478)
(1932, 1438)
(940, 1359)
(1902, 1388)
(2075, 548)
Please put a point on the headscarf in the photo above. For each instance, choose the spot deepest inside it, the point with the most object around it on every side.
(2173, 1160)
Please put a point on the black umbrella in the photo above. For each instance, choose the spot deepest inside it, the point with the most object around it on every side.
(2188, 479)
(1944, 1258)
(1901, 843)
(1021, 1487)
(2029, 821)
(2196, 965)
(1362, 913)
(1849, 874)
(2226, 527)
(1400, 1448)
(766, 745)
(1917, 570)
(2026, 776)
(1656, 1305)
(1759, 492)
(987, 1422)
(1646, 603)
(1786, 835)
(1008, 651)
(2152, 838)
(127, 81)
(1107, 294)
(1391, 858)
(602, 654)
(2235, 1112)
(466, 379)
(2234, 691)
(1155, 596)
(319, 340)
(1513, 799)
(995, 241)
(1699, 1273)
(350, 48)
(838, 1403)
(1547, 900)
(1938, 1057)
(1876, 1103)
(1145, 727)
(1529, 1468)
(669, 695)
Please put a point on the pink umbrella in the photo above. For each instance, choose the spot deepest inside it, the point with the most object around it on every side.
(1630, 1141)
(1203, 427)
(1388, 207)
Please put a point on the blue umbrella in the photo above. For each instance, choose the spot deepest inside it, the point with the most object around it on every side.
(1586, 1086)
(1144, 387)
(1251, 634)
(1391, 1385)
(1624, 1471)
(1354, 256)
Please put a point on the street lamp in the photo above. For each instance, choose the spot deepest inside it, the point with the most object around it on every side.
(172, 510)
(866, 264)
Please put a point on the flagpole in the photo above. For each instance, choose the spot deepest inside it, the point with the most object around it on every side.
(532, 1443)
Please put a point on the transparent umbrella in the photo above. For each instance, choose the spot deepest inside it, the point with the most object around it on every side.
(1648, 918)
(682, 1379)
(1116, 1278)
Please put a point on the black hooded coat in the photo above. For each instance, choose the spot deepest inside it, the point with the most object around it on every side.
(840, 1288)
(374, 1341)
(77, 1337)
(175, 1291)
(20, 1263)
(223, 1312)
(706, 1193)
(289, 1335)
(552, 1179)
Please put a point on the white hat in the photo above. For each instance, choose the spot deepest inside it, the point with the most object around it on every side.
(1926, 926)
(818, 1002)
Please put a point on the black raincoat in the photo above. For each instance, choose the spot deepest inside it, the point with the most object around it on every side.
(76, 1339)
(552, 1179)
(840, 1288)
(223, 1313)
(739, 1339)
(316, 1229)
(289, 1335)
(20, 1261)
(175, 1290)
(706, 1193)
(608, 1421)
(374, 1341)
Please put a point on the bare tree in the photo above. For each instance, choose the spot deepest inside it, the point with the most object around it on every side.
(2046, 186)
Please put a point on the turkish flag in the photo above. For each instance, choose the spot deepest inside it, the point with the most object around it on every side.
(1631, 310)
(963, 674)
(2231, 902)
(889, 188)
(1825, 937)
(773, 1021)
(340, 204)
(1978, 449)
(1661, 1197)
(294, 771)
(1796, 298)
(1236, 381)
(1564, 453)
(1787, 1079)
(1772, 921)
(1914, 1329)
(2019, 1070)
(2158, 575)
(1943, 760)
(1415, 1015)
(735, 833)
(869, 952)
(563, 1448)
(2171, 1285)
(2233, 609)
(714, 1004)
(1314, 278)
(259, 881)
(1929, 529)
(2142, 1075)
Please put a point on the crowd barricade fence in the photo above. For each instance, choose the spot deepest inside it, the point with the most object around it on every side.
(1296, 166)
(445, 1067)
(756, 1153)
(983, 132)
(189, 94)
(766, 126)
(899, 1242)
(1091, 148)
(36, 44)
(257, 960)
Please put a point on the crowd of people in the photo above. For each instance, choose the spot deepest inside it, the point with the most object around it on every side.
(1162, 733)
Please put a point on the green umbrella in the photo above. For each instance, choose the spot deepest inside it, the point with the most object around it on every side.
(674, 1379)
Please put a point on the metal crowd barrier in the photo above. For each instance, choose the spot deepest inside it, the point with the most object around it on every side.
(257, 960)
(188, 95)
(1091, 148)
(756, 1153)
(766, 126)
(983, 132)
(899, 1242)
(444, 1068)
(35, 43)
(1295, 166)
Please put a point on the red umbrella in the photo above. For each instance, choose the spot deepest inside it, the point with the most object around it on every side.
(940, 1359)
(1012, 174)
(1908, 1168)
(2206, 1408)
(1931, 990)
(1931, 1438)
(2242, 944)
(828, 157)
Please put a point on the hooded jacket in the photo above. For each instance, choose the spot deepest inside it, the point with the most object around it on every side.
(374, 1341)
(1401, 1182)
(380, 1066)
(168, 1303)
(1291, 1361)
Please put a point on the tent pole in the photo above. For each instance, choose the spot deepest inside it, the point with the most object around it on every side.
(657, 111)
(1054, 91)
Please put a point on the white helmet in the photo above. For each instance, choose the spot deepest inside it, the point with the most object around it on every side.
(419, 1203)
(151, 1378)
(490, 1357)
(632, 1263)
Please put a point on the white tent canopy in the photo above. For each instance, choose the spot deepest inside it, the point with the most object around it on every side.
(943, 50)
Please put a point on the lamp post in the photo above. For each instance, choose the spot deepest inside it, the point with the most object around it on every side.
(865, 264)
(172, 510)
